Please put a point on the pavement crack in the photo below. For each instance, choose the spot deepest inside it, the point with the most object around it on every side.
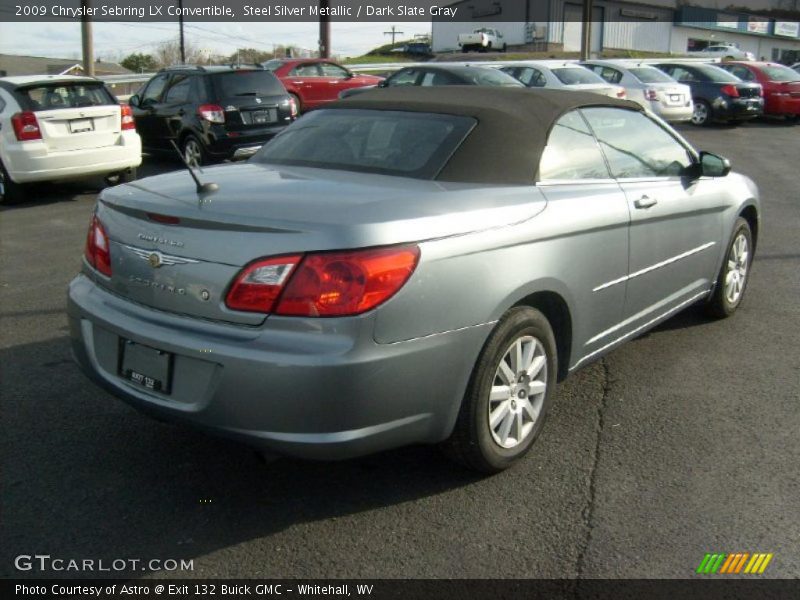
(588, 511)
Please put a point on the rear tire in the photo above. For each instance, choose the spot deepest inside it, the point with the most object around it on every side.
(509, 393)
(10, 191)
(702, 113)
(734, 273)
(193, 151)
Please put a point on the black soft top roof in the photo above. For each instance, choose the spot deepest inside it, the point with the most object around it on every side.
(512, 124)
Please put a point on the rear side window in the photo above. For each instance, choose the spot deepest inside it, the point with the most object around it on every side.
(578, 75)
(650, 75)
(247, 83)
(406, 144)
(635, 145)
(65, 95)
(572, 152)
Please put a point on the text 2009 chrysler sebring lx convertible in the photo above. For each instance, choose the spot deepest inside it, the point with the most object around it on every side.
(409, 265)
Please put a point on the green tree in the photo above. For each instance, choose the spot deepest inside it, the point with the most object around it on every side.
(249, 56)
(139, 63)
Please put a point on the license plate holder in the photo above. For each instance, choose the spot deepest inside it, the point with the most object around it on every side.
(81, 125)
(262, 117)
(147, 367)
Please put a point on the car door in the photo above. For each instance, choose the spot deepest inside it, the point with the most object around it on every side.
(676, 223)
(145, 112)
(335, 79)
(587, 220)
(174, 106)
(305, 79)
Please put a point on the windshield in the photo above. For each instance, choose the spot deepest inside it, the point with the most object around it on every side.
(650, 75)
(66, 95)
(248, 83)
(780, 73)
(405, 144)
(717, 75)
(576, 75)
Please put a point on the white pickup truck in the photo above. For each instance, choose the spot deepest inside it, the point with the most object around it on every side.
(482, 40)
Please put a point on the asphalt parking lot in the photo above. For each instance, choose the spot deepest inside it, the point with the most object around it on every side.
(682, 442)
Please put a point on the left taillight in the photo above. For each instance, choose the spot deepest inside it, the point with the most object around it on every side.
(127, 117)
(730, 90)
(323, 284)
(98, 251)
(212, 113)
(26, 126)
(621, 93)
(650, 94)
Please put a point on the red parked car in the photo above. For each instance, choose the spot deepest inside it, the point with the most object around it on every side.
(781, 85)
(315, 81)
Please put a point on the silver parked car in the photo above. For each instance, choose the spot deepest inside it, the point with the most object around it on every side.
(564, 75)
(410, 265)
(651, 88)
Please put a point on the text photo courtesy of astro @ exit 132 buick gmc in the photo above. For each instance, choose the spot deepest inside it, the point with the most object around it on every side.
(370, 298)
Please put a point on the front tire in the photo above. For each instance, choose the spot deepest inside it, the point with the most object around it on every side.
(509, 393)
(10, 191)
(734, 273)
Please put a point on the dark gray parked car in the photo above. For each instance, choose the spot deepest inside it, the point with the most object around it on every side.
(407, 266)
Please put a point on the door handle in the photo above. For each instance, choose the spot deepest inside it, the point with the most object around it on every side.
(645, 202)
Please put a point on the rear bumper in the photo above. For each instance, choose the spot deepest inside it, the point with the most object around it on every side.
(321, 389)
(738, 109)
(782, 105)
(672, 113)
(222, 144)
(31, 161)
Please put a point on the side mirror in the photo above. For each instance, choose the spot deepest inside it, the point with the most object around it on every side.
(712, 165)
(383, 84)
(349, 75)
(134, 100)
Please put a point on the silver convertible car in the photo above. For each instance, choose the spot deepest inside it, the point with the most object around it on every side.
(411, 265)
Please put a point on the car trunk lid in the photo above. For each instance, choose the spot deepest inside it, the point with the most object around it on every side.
(177, 252)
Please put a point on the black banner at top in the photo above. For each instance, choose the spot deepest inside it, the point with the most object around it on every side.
(469, 11)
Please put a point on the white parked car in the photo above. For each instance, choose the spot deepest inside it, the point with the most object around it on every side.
(482, 40)
(728, 51)
(651, 88)
(59, 127)
(796, 67)
(564, 75)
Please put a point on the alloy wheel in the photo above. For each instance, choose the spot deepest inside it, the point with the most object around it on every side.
(737, 269)
(192, 152)
(700, 114)
(518, 392)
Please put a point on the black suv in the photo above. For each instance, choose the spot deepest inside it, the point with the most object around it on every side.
(212, 112)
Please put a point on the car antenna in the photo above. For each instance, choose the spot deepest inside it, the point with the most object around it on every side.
(202, 188)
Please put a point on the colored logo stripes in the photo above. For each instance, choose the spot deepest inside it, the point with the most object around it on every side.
(739, 562)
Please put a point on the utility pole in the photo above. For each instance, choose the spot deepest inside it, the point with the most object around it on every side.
(180, 24)
(324, 29)
(394, 33)
(586, 29)
(86, 40)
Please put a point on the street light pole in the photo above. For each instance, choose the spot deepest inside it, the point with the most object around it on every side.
(180, 24)
(87, 42)
(586, 29)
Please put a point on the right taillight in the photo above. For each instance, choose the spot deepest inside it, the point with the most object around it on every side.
(323, 284)
(212, 113)
(293, 109)
(26, 127)
(97, 251)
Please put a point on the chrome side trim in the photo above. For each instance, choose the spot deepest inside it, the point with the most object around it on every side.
(163, 259)
(660, 317)
(663, 263)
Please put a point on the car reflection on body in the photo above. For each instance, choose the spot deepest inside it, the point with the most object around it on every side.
(407, 266)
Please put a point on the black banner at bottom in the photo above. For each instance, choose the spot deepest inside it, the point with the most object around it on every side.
(379, 589)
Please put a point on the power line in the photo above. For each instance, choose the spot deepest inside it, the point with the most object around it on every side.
(394, 33)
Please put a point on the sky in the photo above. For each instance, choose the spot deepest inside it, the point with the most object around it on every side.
(114, 41)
